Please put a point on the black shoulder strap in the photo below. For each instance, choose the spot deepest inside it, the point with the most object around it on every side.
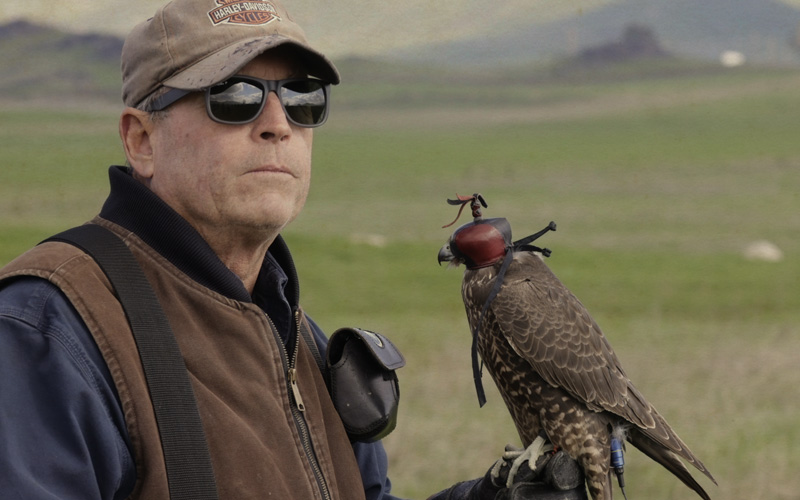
(308, 337)
(189, 470)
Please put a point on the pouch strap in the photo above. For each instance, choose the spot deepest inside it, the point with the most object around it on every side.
(189, 470)
(308, 338)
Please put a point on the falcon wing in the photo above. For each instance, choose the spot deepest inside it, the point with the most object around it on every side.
(547, 325)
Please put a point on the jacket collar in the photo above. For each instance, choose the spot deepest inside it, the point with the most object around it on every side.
(134, 207)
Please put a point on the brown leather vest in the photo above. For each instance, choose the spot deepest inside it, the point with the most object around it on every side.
(261, 445)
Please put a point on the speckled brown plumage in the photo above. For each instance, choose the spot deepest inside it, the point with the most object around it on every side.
(556, 371)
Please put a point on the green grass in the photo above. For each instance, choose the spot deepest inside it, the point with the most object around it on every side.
(657, 186)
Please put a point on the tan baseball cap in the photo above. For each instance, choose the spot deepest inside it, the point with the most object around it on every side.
(193, 44)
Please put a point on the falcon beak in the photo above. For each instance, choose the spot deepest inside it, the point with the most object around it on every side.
(445, 255)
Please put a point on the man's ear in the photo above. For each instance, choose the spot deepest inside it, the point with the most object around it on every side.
(135, 129)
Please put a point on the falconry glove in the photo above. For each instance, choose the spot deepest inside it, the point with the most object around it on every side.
(557, 477)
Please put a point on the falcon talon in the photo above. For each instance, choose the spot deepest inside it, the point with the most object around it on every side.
(529, 454)
(550, 360)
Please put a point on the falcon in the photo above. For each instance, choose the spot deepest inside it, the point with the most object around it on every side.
(554, 368)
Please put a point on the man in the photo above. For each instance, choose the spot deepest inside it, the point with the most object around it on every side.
(221, 101)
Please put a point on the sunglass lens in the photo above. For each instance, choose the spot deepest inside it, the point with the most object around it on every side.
(305, 101)
(236, 101)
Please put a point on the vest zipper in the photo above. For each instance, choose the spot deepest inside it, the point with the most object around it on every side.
(296, 390)
(298, 408)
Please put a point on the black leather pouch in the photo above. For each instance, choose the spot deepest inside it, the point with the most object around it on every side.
(363, 382)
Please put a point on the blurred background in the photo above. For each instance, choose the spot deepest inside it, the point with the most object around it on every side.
(662, 137)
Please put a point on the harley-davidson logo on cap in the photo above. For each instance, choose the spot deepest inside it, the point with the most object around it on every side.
(245, 12)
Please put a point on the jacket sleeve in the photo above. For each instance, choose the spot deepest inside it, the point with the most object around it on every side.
(371, 457)
(62, 429)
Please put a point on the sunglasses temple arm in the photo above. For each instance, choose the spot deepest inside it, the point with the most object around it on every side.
(165, 100)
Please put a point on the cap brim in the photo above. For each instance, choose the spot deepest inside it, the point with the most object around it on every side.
(225, 63)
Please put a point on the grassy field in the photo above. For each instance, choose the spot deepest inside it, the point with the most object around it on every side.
(657, 186)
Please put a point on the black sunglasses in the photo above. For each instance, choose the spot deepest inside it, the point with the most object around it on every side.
(240, 99)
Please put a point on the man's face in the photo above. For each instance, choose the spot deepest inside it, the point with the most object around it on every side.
(230, 180)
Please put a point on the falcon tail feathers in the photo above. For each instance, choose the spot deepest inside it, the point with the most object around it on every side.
(667, 459)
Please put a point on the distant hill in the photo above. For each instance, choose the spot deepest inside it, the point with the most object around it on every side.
(45, 63)
(762, 30)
